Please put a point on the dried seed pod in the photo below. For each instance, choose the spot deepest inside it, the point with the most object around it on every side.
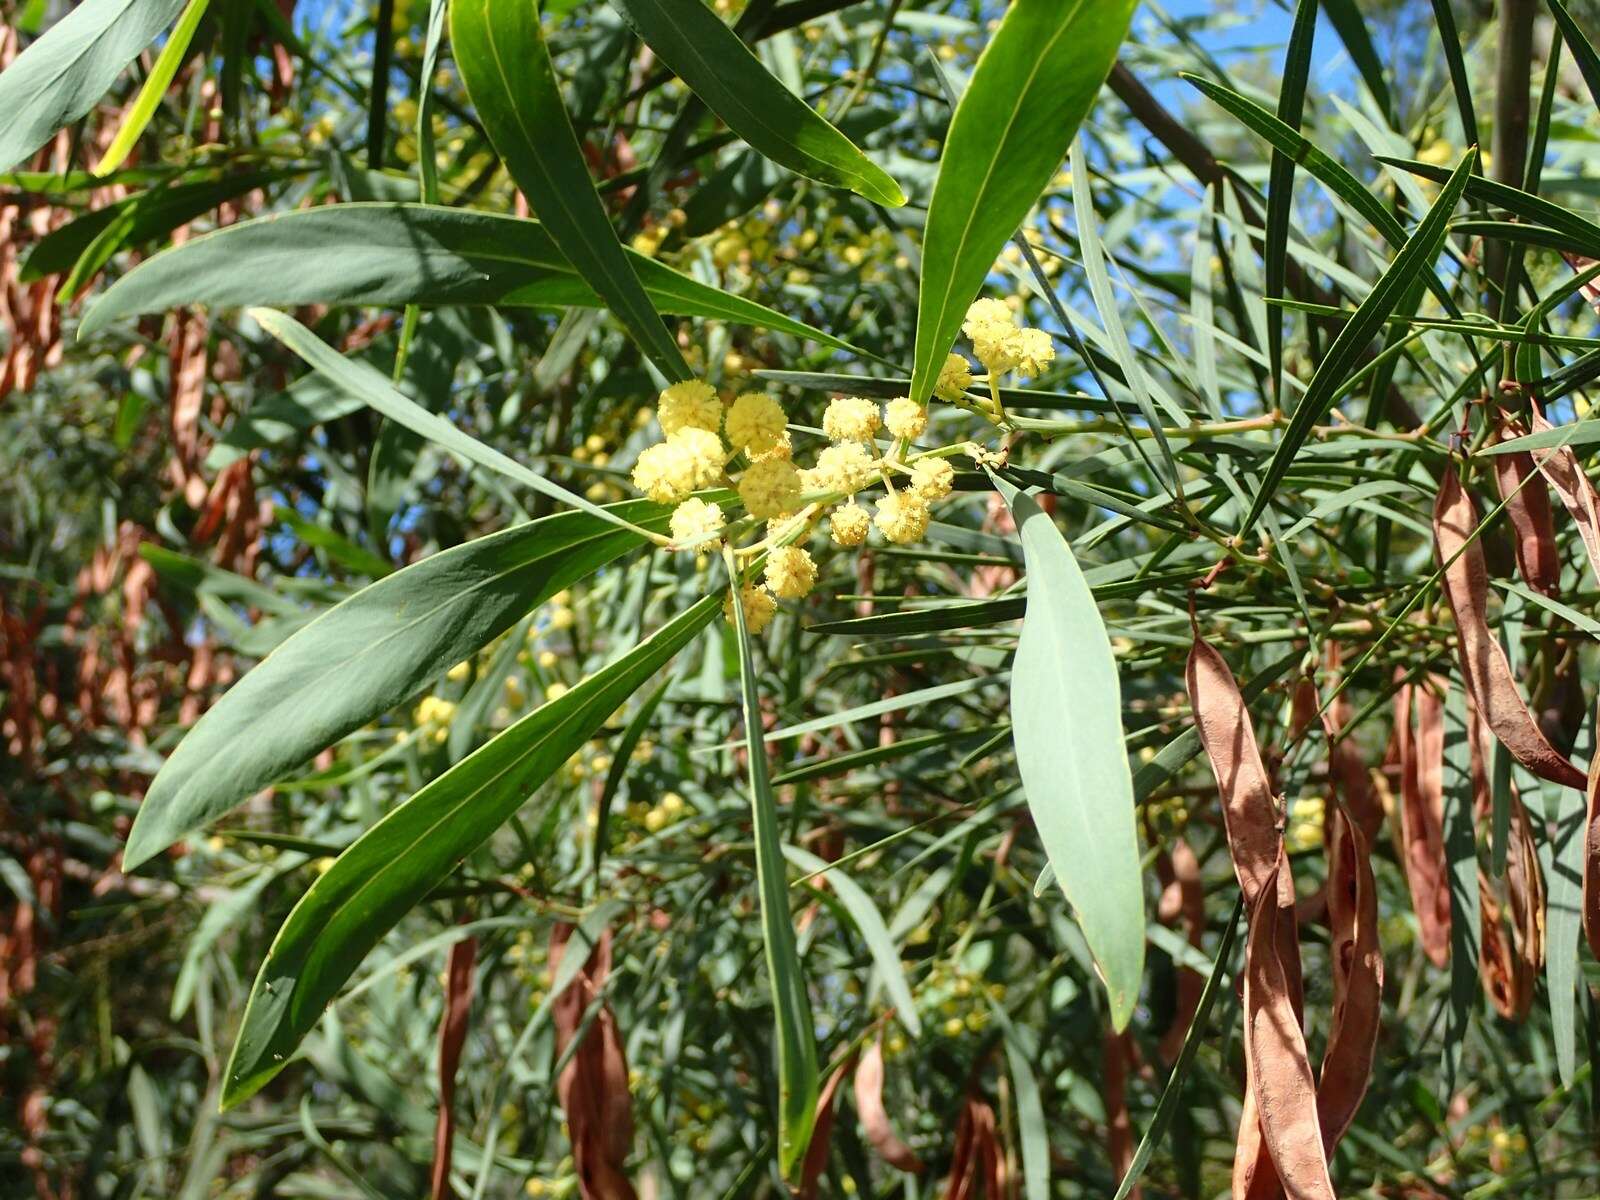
(1357, 979)
(1565, 474)
(1527, 508)
(1422, 814)
(816, 1159)
(1484, 667)
(1275, 1048)
(1248, 809)
(875, 1117)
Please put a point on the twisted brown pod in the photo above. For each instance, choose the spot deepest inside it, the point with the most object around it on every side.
(1483, 661)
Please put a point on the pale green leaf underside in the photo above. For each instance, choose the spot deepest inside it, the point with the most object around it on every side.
(1066, 713)
(67, 71)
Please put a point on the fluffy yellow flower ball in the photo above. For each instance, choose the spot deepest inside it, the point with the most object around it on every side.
(849, 524)
(932, 478)
(843, 468)
(851, 419)
(695, 519)
(665, 472)
(759, 607)
(905, 418)
(755, 422)
(690, 404)
(434, 710)
(996, 340)
(955, 377)
(902, 517)
(704, 452)
(1035, 352)
(770, 488)
(791, 573)
(782, 448)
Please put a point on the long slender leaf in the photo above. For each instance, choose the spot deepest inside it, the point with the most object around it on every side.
(67, 71)
(791, 1005)
(154, 89)
(1333, 372)
(364, 656)
(395, 254)
(362, 380)
(1280, 184)
(1583, 51)
(500, 50)
(874, 932)
(1066, 712)
(1032, 88)
(722, 72)
(412, 850)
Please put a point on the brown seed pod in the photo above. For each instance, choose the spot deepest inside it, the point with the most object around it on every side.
(1484, 667)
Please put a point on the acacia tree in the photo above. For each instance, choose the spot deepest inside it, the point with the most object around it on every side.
(857, 598)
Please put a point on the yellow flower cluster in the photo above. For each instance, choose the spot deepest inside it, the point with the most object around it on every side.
(434, 714)
(703, 439)
(1001, 345)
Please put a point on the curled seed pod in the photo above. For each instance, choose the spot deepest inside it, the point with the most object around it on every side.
(875, 1117)
(1422, 813)
(1275, 1053)
(1527, 508)
(1484, 667)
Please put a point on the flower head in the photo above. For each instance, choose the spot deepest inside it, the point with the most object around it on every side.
(703, 451)
(843, 468)
(665, 472)
(695, 519)
(755, 422)
(851, 419)
(848, 524)
(905, 418)
(932, 478)
(791, 573)
(782, 448)
(1035, 352)
(690, 404)
(955, 377)
(759, 606)
(996, 340)
(902, 516)
(770, 488)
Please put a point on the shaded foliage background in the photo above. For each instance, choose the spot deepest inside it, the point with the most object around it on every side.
(176, 497)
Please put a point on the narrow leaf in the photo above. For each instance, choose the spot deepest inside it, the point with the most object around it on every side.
(396, 254)
(500, 50)
(373, 388)
(874, 932)
(364, 656)
(71, 67)
(1280, 184)
(1066, 709)
(722, 72)
(791, 1005)
(416, 847)
(1031, 89)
